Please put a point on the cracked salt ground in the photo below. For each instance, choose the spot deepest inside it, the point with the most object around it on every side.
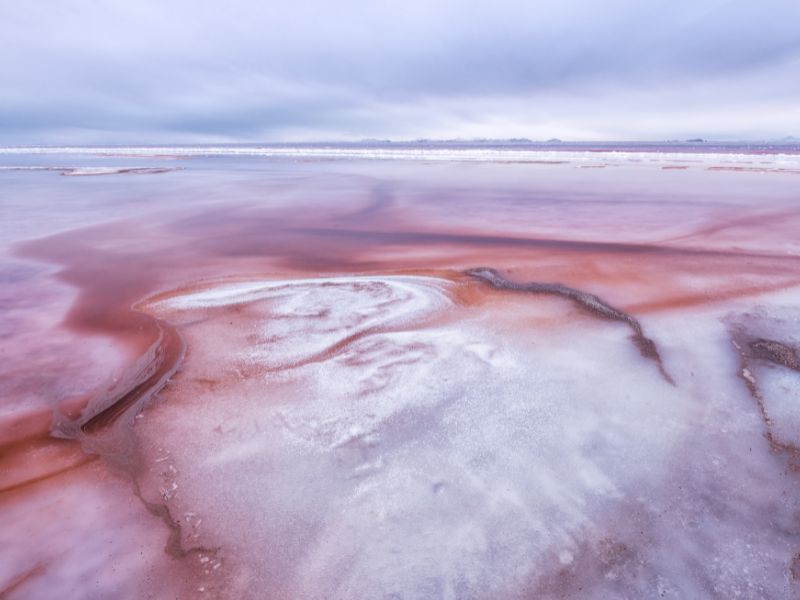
(460, 461)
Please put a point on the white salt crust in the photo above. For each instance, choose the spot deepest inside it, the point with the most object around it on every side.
(465, 459)
(657, 157)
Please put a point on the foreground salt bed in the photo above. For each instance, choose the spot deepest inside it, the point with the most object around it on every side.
(335, 438)
(372, 437)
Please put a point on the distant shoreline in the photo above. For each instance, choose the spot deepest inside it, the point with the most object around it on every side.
(421, 150)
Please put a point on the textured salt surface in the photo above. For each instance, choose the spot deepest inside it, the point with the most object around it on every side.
(356, 416)
(463, 460)
(590, 302)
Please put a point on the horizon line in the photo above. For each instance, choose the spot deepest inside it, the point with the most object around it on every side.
(521, 141)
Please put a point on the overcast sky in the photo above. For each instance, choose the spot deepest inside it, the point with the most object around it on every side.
(138, 71)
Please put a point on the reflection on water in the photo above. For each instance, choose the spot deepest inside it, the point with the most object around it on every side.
(283, 376)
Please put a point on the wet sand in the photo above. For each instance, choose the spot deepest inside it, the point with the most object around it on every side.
(275, 379)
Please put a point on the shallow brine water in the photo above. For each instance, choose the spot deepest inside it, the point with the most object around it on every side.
(405, 373)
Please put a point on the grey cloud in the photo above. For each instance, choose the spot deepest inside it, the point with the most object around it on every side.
(246, 70)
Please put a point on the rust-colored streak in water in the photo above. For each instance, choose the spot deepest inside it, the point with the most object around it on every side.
(110, 283)
(111, 280)
(20, 580)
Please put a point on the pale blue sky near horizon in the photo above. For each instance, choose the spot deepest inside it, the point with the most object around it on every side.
(180, 71)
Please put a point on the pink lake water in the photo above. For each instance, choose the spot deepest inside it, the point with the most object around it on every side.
(400, 372)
